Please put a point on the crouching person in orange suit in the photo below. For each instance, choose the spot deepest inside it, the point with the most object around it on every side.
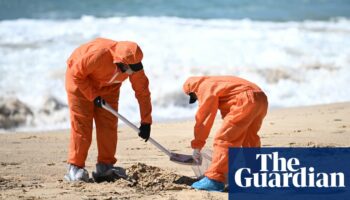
(243, 106)
(95, 73)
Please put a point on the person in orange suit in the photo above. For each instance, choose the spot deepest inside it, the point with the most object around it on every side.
(243, 106)
(95, 72)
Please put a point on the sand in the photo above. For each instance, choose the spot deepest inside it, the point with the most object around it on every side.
(32, 165)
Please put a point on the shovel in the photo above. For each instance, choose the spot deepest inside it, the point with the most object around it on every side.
(174, 157)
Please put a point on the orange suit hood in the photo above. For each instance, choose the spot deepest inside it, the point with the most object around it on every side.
(126, 52)
(192, 84)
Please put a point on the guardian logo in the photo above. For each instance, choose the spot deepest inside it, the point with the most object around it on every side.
(284, 172)
(289, 173)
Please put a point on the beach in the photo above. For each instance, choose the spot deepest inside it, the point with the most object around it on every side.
(33, 163)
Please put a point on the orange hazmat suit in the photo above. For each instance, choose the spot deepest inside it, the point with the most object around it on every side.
(92, 72)
(243, 107)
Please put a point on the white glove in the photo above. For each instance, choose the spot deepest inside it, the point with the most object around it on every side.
(196, 155)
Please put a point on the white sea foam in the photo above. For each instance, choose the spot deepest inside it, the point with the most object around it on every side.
(296, 63)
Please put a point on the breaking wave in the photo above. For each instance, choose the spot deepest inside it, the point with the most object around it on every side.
(296, 63)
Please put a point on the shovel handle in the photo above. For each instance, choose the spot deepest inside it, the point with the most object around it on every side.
(106, 106)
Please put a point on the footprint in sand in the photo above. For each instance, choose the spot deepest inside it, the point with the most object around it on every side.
(338, 132)
(29, 137)
(9, 164)
(276, 133)
(292, 144)
(312, 144)
(10, 183)
(50, 164)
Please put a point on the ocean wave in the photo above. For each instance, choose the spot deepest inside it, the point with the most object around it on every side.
(296, 63)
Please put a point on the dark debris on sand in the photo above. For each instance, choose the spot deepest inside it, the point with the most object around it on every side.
(150, 178)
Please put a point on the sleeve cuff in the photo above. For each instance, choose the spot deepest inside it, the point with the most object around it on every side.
(195, 144)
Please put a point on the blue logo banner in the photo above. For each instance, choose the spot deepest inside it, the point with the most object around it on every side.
(289, 173)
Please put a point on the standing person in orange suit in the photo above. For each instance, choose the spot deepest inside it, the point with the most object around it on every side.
(243, 106)
(95, 73)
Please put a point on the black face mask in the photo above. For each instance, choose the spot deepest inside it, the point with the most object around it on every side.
(123, 67)
(136, 67)
(193, 97)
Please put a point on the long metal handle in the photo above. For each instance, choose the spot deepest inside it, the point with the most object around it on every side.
(131, 125)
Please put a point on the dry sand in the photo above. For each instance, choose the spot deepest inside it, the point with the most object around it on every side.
(32, 165)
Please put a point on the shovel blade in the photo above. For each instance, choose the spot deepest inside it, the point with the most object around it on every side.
(183, 159)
